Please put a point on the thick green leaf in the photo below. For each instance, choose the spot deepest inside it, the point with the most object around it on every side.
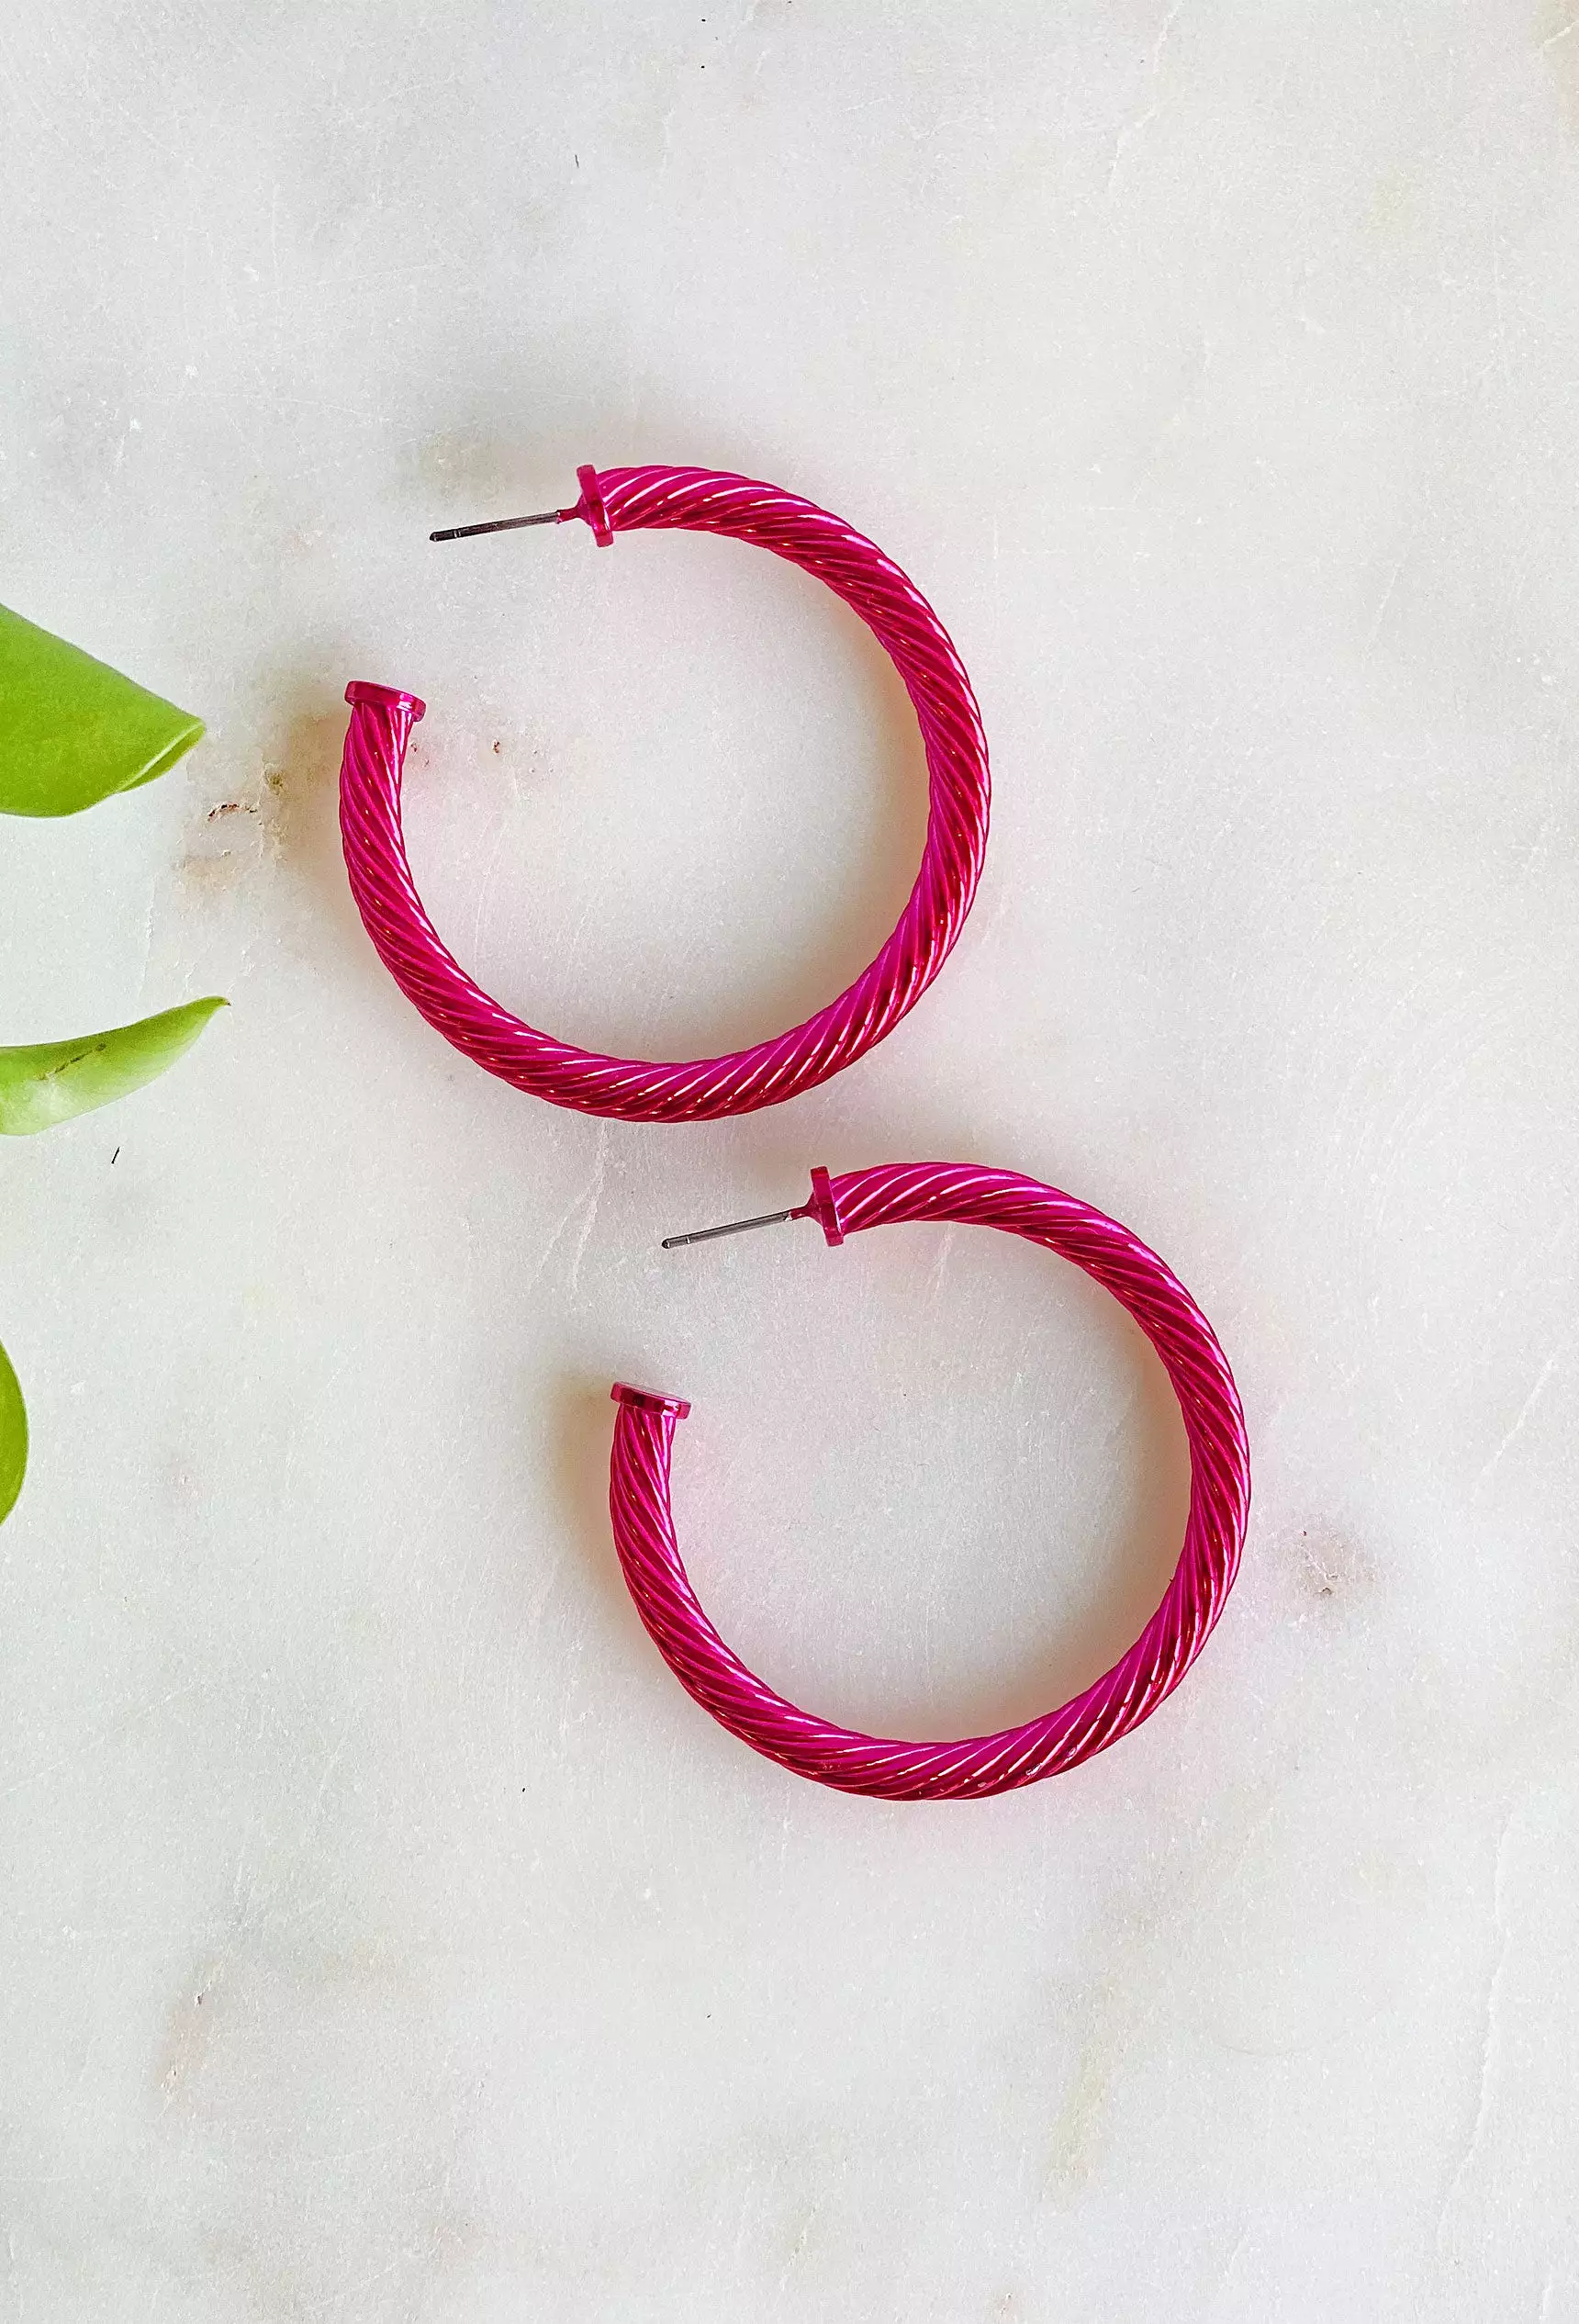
(73, 731)
(54, 1079)
(13, 1437)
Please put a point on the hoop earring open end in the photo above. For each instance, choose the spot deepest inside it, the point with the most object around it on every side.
(705, 1089)
(981, 1765)
(649, 1400)
(363, 694)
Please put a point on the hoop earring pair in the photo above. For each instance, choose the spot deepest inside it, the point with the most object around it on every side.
(698, 500)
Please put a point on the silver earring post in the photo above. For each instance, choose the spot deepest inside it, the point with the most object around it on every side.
(499, 524)
(735, 1226)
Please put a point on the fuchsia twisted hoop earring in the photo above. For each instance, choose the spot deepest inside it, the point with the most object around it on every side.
(700, 500)
(1131, 1690)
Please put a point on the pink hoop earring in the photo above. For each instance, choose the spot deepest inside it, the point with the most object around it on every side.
(1129, 1692)
(697, 500)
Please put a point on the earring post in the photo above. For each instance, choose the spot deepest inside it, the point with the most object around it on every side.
(500, 524)
(735, 1226)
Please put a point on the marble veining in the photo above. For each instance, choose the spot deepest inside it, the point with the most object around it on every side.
(385, 1938)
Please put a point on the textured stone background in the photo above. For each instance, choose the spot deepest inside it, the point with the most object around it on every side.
(383, 1935)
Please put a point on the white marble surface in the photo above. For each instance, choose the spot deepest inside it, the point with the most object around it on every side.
(384, 1935)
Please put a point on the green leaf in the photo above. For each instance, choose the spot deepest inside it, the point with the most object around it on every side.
(13, 1438)
(73, 731)
(54, 1079)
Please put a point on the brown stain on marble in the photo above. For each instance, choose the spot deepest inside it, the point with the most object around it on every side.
(188, 2034)
(461, 466)
(281, 814)
(1556, 31)
(1073, 2149)
(1397, 208)
(208, 873)
(326, 2101)
(1331, 1570)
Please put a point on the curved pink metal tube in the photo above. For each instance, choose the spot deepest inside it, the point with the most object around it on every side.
(1214, 1533)
(699, 500)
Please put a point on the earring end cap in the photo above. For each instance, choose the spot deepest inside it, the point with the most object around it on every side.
(649, 1400)
(364, 690)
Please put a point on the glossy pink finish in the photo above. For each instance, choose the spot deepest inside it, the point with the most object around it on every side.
(699, 500)
(1138, 1681)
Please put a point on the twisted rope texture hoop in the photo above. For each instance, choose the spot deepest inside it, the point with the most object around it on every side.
(1214, 1533)
(697, 500)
